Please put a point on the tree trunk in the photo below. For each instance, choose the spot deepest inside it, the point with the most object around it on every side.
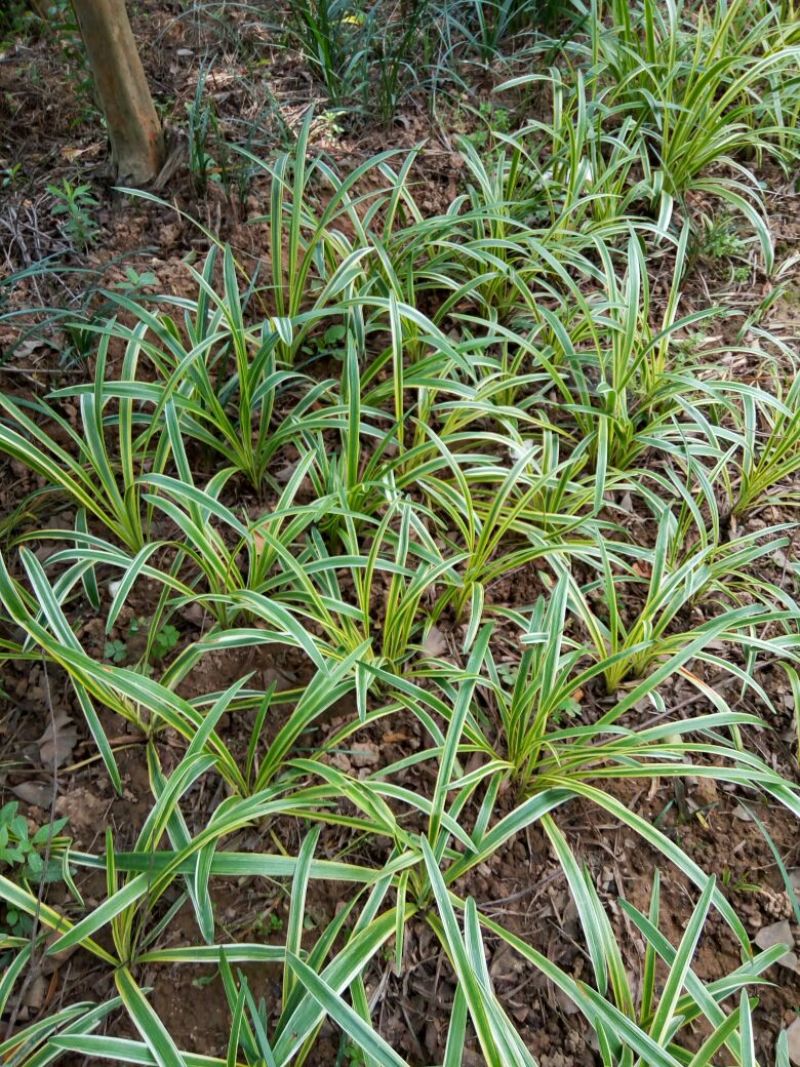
(137, 144)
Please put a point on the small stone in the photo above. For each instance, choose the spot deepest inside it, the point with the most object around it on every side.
(567, 1006)
(777, 934)
(365, 754)
(793, 1034)
(35, 993)
(705, 792)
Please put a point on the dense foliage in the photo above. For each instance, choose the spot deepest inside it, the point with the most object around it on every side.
(343, 453)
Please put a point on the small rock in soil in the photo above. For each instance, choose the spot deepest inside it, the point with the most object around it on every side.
(793, 1033)
(776, 934)
(705, 791)
(779, 934)
(83, 808)
(365, 754)
(35, 993)
(569, 1007)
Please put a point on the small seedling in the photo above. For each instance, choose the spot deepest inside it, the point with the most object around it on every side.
(495, 120)
(24, 860)
(79, 344)
(329, 122)
(271, 923)
(353, 1056)
(164, 640)
(116, 650)
(15, 16)
(136, 282)
(9, 176)
(208, 152)
(330, 344)
(738, 885)
(75, 203)
(719, 239)
(119, 650)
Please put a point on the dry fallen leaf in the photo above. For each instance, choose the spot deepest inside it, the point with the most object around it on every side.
(38, 793)
(392, 737)
(71, 154)
(28, 349)
(55, 959)
(505, 965)
(284, 474)
(435, 643)
(58, 741)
